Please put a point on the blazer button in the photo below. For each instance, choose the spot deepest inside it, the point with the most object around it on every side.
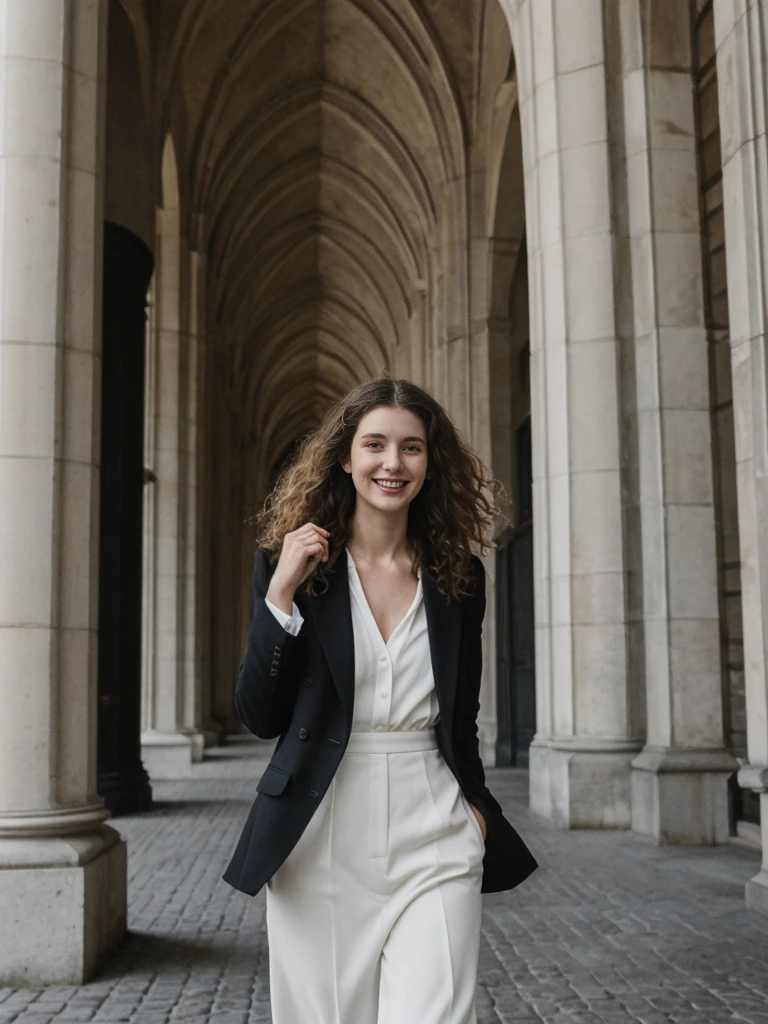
(308, 681)
(303, 734)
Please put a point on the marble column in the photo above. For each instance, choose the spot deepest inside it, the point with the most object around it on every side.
(227, 571)
(214, 729)
(587, 729)
(192, 457)
(170, 739)
(680, 779)
(62, 869)
(742, 69)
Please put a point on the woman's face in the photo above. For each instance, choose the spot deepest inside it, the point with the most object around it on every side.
(388, 457)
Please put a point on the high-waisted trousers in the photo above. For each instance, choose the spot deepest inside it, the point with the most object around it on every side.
(374, 917)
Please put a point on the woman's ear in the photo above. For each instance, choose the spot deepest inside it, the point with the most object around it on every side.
(346, 465)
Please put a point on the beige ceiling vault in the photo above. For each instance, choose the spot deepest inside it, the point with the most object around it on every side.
(322, 140)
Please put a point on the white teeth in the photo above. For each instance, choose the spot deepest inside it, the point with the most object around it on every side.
(389, 486)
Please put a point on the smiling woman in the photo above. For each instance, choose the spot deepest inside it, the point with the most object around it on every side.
(447, 497)
(373, 827)
(395, 460)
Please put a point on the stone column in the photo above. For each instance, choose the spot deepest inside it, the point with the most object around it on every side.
(213, 726)
(679, 781)
(167, 748)
(62, 869)
(226, 648)
(742, 67)
(587, 733)
(191, 678)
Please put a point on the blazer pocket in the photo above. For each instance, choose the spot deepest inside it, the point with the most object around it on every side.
(273, 781)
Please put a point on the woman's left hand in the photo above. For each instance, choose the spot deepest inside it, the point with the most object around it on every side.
(480, 821)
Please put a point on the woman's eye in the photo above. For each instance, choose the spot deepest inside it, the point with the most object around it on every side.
(409, 447)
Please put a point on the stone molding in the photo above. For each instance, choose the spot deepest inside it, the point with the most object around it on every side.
(669, 760)
(754, 777)
(56, 822)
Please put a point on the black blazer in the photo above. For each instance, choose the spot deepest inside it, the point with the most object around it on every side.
(301, 688)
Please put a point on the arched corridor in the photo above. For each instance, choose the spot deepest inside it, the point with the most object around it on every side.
(216, 218)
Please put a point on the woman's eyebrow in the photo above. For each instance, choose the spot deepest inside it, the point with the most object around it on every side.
(383, 437)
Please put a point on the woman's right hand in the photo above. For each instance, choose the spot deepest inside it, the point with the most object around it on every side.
(303, 550)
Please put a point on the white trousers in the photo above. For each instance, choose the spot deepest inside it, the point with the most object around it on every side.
(374, 917)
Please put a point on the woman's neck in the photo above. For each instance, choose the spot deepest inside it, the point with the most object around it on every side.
(377, 537)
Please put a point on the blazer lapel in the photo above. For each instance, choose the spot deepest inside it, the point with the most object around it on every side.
(444, 628)
(332, 614)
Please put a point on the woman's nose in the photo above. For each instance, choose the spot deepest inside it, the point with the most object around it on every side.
(391, 460)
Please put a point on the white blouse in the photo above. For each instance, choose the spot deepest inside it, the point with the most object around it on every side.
(394, 684)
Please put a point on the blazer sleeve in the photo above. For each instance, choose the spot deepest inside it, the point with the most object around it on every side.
(466, 742)
(268, 680)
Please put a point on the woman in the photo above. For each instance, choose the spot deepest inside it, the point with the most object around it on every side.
(373, 827)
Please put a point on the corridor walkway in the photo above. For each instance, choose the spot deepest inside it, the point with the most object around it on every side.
(610, 929)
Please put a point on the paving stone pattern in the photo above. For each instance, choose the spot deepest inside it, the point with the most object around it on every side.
(610, 929)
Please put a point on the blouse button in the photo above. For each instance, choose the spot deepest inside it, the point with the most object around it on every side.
(384, 693)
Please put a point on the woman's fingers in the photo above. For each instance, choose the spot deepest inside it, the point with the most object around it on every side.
(322, 535)
(312, 526)
(310, 532)
(315, 551)
(302, 550)
(311, 542)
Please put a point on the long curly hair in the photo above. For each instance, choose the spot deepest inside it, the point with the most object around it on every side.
(454, 509)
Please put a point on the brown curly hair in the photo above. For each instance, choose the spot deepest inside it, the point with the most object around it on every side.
(453, 510)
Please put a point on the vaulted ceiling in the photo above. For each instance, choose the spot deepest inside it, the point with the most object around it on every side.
(316, 142)
(320, 134)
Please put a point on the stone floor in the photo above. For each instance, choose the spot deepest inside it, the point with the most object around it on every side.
(610, 929)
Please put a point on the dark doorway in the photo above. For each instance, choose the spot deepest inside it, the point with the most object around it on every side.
(122, 780)
(515, 619)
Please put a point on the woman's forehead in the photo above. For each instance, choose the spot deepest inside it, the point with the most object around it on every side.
(391, 421)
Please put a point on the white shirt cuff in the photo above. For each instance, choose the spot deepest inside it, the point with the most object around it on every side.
(291, 623)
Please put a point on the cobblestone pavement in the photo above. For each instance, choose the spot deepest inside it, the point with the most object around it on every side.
(610, 929)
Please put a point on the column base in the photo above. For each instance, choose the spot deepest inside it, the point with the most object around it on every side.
(57, 924)
(681, 796)
(756, 892)
(167, 755)
(198, 741)
(125, 790)
(582, 783)
(487, 742)
(755, 777)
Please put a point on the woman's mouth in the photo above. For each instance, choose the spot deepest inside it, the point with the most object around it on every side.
(390, 486)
